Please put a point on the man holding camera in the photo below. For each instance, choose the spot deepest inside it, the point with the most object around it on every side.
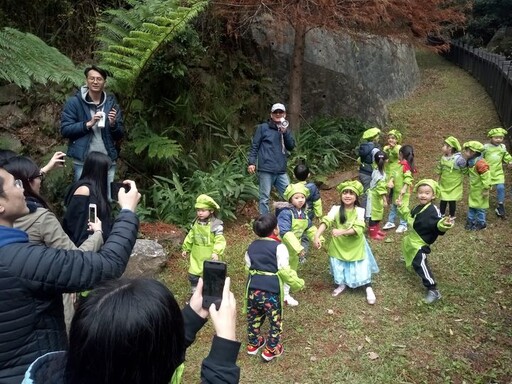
(269, 149)
(92, 121)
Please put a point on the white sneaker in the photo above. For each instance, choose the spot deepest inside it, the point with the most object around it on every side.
(388, 225)
(290, 301)
(340, 288)
(401, 229)
(370, 296)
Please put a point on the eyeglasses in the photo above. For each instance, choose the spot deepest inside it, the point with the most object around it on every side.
(97, 79)
(41, 176)
(17, 183)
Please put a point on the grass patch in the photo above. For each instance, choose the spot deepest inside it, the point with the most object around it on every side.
(464, 338)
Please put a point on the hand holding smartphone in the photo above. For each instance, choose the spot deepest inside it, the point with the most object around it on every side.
(214, 276)
(92, 213)
(115, 187)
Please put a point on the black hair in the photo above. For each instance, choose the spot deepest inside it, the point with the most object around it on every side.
(126, 331)
(264, 225)
(301, 172)
(380, 159)
(407, 152)
(23, 168)
(2, 180)
(95, 176)
(6, 154)
(101, 71)
(343, 215)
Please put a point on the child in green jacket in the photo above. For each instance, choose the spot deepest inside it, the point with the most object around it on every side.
(205, 240)
(495, 153)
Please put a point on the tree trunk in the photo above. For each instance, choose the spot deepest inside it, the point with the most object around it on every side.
(295, 107)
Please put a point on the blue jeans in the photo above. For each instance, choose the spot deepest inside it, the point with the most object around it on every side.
(500, 193)
(476, 215)
(393, 211)
(79, 167)
(267, 180)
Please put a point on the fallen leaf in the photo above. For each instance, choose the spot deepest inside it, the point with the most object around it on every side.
(372, 355)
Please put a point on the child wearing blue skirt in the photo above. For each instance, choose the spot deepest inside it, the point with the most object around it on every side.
(351, 259)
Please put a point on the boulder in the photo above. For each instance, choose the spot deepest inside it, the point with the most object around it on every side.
(12, 117)
(148, 258)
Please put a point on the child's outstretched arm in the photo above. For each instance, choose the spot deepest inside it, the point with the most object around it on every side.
(316, 241)
(219, 241)
(187, 243)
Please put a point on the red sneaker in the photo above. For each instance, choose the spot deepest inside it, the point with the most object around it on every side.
(269, 354)
(253, 349)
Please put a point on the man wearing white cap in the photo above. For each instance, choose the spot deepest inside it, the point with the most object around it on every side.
(270, 145)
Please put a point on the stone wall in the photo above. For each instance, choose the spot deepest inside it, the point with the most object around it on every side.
(343, 75)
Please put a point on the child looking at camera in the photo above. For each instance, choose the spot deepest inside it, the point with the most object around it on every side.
(351, 260)
(205, 240)
(267, 262)
(426, 225)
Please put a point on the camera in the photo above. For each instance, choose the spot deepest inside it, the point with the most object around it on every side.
(115, 187)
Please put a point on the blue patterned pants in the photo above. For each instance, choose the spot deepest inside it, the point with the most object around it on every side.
(261, 305)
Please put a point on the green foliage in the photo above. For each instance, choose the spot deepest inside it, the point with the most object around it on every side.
(131, 37)
(26, 59)
(172, 201)
(155, 145)
(324, 143)
(487, 17)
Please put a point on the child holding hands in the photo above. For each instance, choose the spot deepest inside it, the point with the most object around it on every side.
(205, 240)
(426, 225)
(294, 223)
(351, 260)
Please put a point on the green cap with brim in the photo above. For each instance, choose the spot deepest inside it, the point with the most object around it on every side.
(474, 145)
(206, 202)
(497, 132)
(293, 189)
(397, 134)
(371, 133)
(453, 142)
(352, 185)
(431, 183)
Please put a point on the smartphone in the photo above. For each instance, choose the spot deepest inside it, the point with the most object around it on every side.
(214, 276)
(92, 213)
(115, 187)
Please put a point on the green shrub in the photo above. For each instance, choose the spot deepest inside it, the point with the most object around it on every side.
(172, 201)
(324, 143)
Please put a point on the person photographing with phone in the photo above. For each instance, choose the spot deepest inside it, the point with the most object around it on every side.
(146, 346)
(33, 278)
(92, 121)
(89, 191)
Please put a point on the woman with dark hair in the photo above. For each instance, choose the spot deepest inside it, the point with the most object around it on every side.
(41, 224)
(91, 188)
(132, 331)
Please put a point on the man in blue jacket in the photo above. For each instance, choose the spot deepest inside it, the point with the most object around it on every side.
(92, 121)
(270, 145)
(33, 278)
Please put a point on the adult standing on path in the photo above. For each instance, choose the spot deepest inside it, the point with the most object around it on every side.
(270, 145)
(92, 121)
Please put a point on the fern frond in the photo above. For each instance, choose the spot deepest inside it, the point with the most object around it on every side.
(25, 60)
(131, 37)
(157, 146)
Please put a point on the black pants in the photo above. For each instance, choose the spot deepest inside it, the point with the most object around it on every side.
(452, 205)
(420, 265)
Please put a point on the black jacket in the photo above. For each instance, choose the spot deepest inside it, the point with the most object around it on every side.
(32, 280)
